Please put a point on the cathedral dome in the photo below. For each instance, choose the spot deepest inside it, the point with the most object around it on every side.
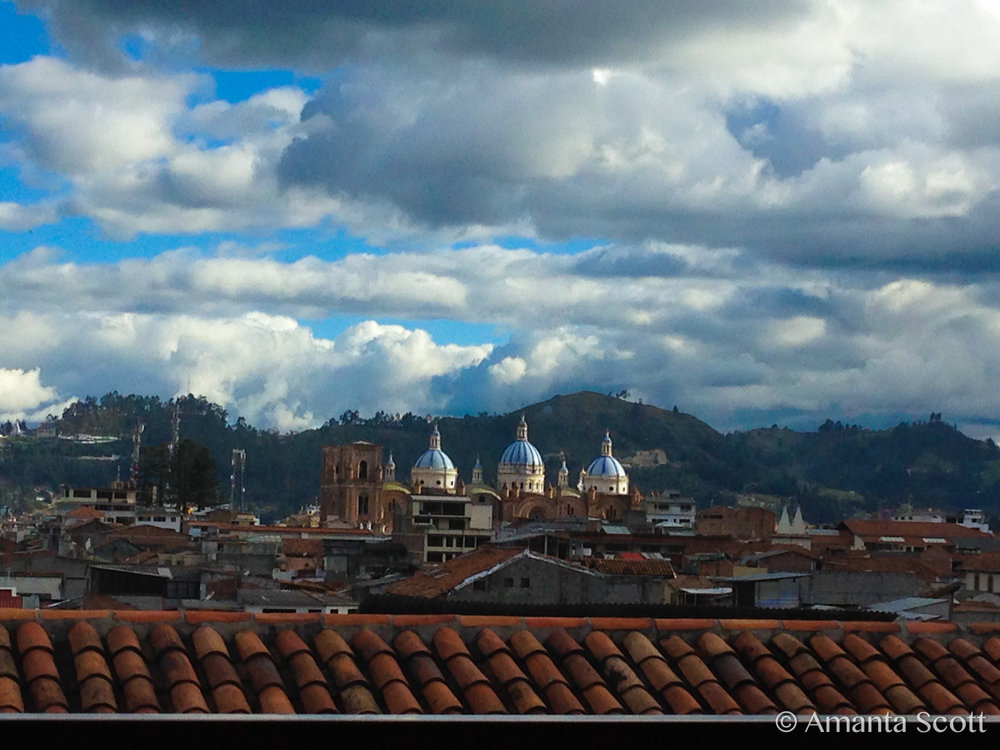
(605, 473)
(434, 469)
(521, 453)
(521, 465)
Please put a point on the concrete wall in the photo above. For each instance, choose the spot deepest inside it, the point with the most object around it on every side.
(551, 583)
(844, 588)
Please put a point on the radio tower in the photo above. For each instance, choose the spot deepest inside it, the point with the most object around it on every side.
(133, 472)
(236, 479)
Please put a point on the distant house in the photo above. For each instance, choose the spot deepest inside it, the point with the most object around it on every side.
(520, 576)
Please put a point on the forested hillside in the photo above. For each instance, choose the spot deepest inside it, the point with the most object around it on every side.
(833, 471)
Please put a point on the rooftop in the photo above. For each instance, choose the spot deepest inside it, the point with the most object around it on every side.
(199, 662)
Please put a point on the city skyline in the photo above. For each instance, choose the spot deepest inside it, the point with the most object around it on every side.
(762, 215)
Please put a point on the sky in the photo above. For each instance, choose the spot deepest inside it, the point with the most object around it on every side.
(763, 213)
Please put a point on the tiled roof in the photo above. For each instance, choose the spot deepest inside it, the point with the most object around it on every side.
(217, 662)
(916, 529)
(619, 566)
(446, 577)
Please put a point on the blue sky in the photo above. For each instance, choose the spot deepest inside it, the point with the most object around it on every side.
(761, 214)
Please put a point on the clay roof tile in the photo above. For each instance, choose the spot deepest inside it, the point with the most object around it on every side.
(789, 645)
(47, 696)
(601, 647)
(274, 701)
(601, 701)
(640, 648)
(82, 636)
(207, 641)
(794, 698)
(712, 646)
(31, 635)
(579, 672)
(10, 696)
(859, 648)
(345, 672)
(187, 699)
(561, 699)
(249, 645)
(408, 643)
(489, 643)
(524, 643)
(939, 698)
(750, 647)
(122, 637)
(561, 643)
(129, 664)
(316, 699)
(368, 644)
(262, 672)
(398, 697)
(8, 667)
(163, 637)
(229, 699)
(482, 699)
(305, 670)
(177, 668)
(543, 670)
(440, 699)
(718, 699)
(448, 643)
(992, 647)
(38, 663)
(384, 669)
(219, 670)
(140, 695)
(358, 699)
(91, 663)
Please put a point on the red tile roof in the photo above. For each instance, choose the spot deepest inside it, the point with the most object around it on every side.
(170, 662)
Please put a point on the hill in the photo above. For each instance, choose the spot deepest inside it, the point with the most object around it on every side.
(832, 472)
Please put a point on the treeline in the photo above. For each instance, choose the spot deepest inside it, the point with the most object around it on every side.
(832, 472)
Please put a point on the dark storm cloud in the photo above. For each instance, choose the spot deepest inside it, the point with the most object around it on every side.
(321, 34)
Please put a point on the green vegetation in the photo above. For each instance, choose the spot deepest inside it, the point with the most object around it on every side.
(833, 472)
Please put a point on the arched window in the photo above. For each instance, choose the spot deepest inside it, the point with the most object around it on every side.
(363, 470)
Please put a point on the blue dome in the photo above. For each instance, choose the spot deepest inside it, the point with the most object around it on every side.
(521, 453)
(606, 466)
(433, 459)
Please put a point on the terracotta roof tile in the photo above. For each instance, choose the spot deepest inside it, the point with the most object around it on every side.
(97, 695)
(122, 637)
(289, 644)
(440, 699)
(129, 664)
(219, 670)
(465, 672)
(91, 663)
(207, 641)
(262, 672)
(8, 667)
(47, 696)
(975, 698)
(992, 648)
(358, 699)
(601, 701)
(368, 644)
(38, 663)
(408, 643)
(448, 643)
(489, 643)
(579, 672)
(859, 648)
(249, 645)
(163, 638)
(229, 699)
(177, 667)
(423, 670)
(399, 699)
(904, 700)
(543, 670)
(940, 699)
(718, 699)
(561, 643)
(684, 624)
(274, 701)
(345, 672)
(482, 699)
(316, 699)
(10, 696)
(82, 636)
(712, 646)
(503, 670)
(187, 699)
(31, 635)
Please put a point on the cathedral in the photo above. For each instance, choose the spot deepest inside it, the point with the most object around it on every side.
(357, 489)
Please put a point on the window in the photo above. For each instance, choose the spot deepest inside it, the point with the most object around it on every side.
(363, 470)
(480, 585)
(525, 583)
(570, 511)
(362, 505)
(508, 583)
